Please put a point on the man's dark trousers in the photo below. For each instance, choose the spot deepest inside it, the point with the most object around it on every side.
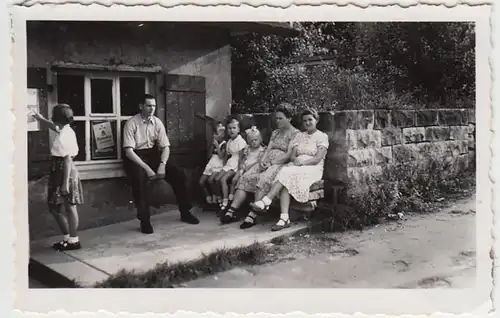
(139, 179)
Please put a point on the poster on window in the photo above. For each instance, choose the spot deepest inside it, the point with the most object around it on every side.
(103, 135)
(33, 105)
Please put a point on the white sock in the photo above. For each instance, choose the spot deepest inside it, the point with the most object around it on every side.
(65, 237)
(250, 217)
(73, 240)
(225, 201)
(266, 200)
(283, 216)
(231, 197)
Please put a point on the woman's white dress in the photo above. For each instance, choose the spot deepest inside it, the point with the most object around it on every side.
(298, 179)
(234, 146)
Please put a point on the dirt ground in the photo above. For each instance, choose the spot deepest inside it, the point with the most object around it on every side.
(435, 250)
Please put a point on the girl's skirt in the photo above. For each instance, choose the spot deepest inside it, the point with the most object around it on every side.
(215, 164)
(56, 179)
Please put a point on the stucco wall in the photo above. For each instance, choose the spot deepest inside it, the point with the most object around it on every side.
(178, 48)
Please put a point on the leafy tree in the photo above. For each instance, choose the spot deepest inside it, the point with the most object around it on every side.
(356, 65)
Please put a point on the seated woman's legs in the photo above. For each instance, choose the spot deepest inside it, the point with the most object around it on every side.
(284, 220)
(263, 201)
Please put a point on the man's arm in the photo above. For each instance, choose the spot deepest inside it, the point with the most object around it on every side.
(164, 145)
(165, 154)
(130, 153)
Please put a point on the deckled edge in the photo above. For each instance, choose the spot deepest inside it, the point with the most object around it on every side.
(271, 3)
(494, 157)
(256, 3)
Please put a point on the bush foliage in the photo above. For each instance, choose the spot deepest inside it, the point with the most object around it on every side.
(357, 65)
(402, 188)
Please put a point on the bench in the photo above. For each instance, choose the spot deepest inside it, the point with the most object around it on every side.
(324, 191)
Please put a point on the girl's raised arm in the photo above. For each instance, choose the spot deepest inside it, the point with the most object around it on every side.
(44, 120)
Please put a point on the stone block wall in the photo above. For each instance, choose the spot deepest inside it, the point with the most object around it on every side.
(364, 142)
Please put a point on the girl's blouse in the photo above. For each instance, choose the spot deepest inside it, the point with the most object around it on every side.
(65, 143)
(234, 146)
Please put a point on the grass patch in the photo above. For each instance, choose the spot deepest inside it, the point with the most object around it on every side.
(167, 275)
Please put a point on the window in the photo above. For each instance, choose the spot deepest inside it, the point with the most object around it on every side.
(102, 103)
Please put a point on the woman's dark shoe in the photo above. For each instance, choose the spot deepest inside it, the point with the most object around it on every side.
(189, 218)
(146, 228)
(248, 223)
(66, 246)
(281, 225)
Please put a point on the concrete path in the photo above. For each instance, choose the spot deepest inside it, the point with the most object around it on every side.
(108, 249)
(425, 251)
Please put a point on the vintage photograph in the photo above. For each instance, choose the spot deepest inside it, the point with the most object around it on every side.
(251, 154)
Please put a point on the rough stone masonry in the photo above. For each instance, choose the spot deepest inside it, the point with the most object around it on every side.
(363, 142)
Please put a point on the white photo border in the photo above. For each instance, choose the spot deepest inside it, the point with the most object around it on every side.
(310, 301)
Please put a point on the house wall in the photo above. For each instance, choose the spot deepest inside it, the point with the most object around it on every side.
(178, 48)
(181, 49)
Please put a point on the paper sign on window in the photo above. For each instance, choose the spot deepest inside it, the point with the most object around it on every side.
(33, 105)
(103, 136)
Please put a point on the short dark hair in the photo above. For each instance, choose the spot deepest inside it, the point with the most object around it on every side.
(148, 96)
(62, 114)
(310, 111)
(233, 120)
(286, 109)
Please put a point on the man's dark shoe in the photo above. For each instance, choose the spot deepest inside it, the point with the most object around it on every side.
(146, 228)
(189, 218)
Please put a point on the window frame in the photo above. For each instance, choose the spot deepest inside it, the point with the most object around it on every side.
(106, 168)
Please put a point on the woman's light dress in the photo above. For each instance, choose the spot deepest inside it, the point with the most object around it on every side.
(278, 146)
(298, 179)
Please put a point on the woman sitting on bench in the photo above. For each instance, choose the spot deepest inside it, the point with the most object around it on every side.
(275, 157)
(306, 167)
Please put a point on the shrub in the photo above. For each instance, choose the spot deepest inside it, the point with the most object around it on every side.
(402, 188)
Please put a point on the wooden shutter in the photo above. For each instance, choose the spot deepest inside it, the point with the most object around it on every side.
(185, 96)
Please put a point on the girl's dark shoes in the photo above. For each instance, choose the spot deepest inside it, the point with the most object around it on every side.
(66, 246)
(228, 217)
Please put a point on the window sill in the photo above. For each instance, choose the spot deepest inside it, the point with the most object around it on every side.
(100, 170)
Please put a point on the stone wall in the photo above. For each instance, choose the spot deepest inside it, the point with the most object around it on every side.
(364, 142)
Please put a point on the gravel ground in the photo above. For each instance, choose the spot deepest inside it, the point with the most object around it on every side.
(435, 250)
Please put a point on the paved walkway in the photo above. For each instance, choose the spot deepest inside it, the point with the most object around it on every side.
(106, 250)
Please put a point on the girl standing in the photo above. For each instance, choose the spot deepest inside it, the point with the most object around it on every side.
(65, 188)
(214, 165)
(235, 145)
